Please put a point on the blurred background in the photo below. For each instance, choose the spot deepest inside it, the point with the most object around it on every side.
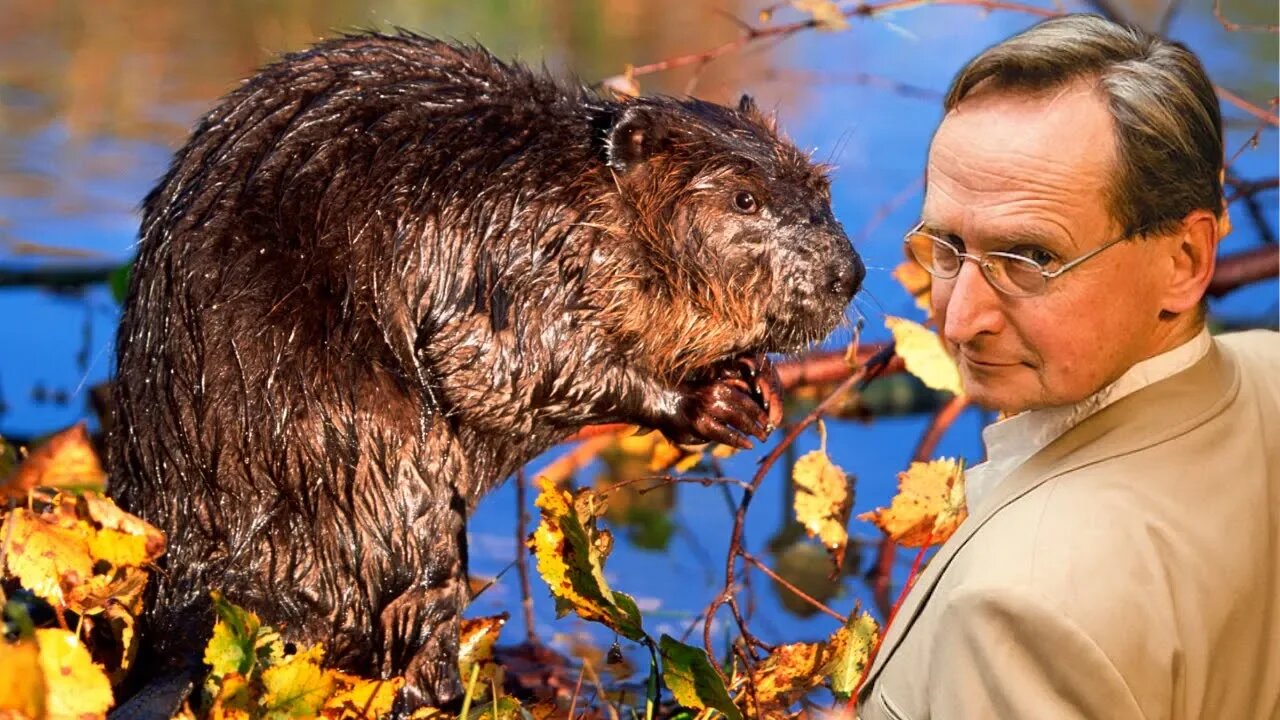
(96, 94)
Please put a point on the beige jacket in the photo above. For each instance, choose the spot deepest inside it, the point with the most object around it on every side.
(1131, 569)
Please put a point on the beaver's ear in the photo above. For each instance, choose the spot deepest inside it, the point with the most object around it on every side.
(747, 105)
(637, 135)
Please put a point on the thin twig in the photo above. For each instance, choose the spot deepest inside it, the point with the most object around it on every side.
(1237, 27)
(522, 558)
(748, 557)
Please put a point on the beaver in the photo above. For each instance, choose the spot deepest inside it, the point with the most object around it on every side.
(386, 272)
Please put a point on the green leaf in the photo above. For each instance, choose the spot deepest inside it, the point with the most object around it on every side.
(688, 672)
(850, 650)
(570, 554)
(240, 643)
(118, 281)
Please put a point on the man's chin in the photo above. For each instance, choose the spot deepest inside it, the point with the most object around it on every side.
(997, 397)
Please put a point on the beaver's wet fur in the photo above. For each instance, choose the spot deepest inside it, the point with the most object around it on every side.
(385, 273)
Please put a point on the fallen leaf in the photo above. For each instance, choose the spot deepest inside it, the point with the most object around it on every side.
(475, 647)
(297, 687)
(48, 559)
(688, 673)
(361, 698)
(66, 460)
(22, 686)
(76, 685)
(921, 350)
(233, 699)
(929, 506)
(848, 652)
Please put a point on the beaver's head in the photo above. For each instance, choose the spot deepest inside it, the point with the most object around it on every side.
(736, 249)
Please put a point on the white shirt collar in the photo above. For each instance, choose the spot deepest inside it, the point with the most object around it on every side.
(1013, 440)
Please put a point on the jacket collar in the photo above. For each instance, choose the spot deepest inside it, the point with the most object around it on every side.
(1149, 416)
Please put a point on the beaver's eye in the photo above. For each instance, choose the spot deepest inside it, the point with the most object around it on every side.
(745, 202)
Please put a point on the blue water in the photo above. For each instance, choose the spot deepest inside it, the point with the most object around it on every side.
(63, 189)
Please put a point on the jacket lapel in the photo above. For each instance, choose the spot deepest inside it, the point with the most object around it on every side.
(1149, 416)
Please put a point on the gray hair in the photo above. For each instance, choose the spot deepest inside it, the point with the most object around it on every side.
(1168, 126)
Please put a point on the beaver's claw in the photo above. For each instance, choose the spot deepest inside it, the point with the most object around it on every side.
(743, 397)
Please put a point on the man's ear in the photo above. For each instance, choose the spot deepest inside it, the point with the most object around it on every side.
(1195, 250)
(636, 136)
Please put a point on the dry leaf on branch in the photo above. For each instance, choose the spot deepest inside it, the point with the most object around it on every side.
(921, 350)
(929, 506)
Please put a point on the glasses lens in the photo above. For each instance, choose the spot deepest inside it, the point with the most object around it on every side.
(934, 255)
(1014, 275)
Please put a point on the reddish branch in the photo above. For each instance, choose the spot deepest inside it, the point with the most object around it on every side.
(1243, 268)
(864, 373)
(1236, 27)
(925, 449)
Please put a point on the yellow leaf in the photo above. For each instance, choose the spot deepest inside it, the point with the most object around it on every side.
(623, 85)
(117, 548)
(22, 688)
(65, 460)
(921, 349)
(361, 698)
(785, 675)
(929, 506)
(76, 685)
(297, 687)
(825, 13)
(49, 560)
(233, 700)
(103, 511)
(848, 652)
(917, 281)
(823, 499)
(570, 561)
(475, 646)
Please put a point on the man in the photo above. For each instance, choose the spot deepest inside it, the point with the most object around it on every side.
(1121, 558)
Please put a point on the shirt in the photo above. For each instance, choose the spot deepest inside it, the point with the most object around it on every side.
(1014, 440)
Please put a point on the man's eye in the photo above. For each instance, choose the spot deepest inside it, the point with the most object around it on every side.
(1035, 254)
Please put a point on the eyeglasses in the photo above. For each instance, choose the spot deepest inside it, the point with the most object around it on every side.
(1012, 274)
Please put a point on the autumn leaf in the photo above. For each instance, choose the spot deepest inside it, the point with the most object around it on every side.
(848, 652)
(48, 559)
(624, 85)
(76, 685)
(570, 561)
(825, 13)
(361, 698)
(823, 499)
(240, 642)
(22, 686)
(917, 281)
(929, 506)
(921, 350)
(66, 460)
(785, 676)
(107, 515)
(475, 647)
(688, 673)
(297, 687)
(234, 700)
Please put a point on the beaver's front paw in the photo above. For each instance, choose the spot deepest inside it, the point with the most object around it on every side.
(743, 397)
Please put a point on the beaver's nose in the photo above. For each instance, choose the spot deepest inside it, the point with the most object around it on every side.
(848, 279)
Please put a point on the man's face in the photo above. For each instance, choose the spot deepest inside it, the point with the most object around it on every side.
(1016, 172)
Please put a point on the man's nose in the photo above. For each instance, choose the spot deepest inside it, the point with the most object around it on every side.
(969, 305)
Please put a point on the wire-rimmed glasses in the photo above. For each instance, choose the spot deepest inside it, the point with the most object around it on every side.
(1012, 274)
